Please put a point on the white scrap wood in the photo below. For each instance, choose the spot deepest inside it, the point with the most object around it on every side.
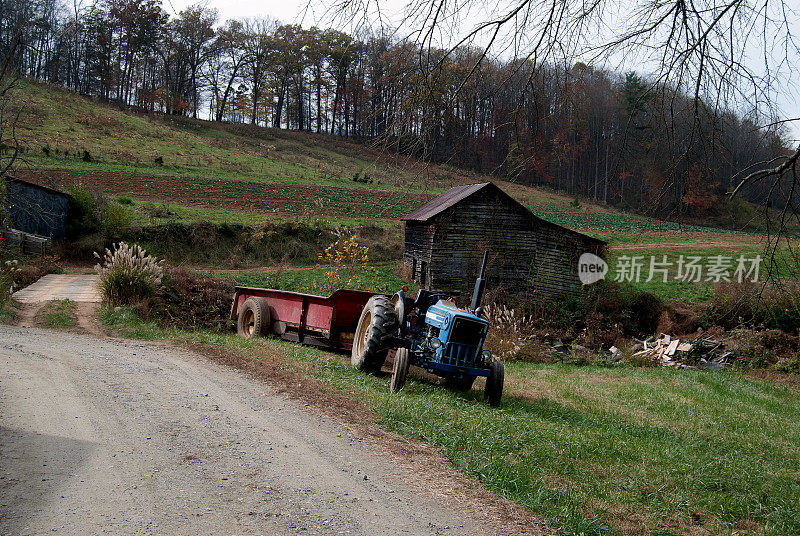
(672, 347)
(684, 347)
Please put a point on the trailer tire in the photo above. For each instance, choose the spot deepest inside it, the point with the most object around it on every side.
(400, 370)
(494, 383)
(254, 318)
(378, 322)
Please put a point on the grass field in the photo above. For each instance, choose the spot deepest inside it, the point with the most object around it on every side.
(594, 451)
(242, 173)
(784, 264)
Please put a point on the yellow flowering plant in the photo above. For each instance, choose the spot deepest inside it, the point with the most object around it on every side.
(345, 264)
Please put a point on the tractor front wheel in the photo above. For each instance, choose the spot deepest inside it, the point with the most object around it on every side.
(494, 383)
(378, 322)
(254, 318)
(400, 370)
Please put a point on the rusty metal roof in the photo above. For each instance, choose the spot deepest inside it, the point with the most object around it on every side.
(444, 201)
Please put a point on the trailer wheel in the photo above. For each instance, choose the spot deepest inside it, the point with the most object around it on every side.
(400, 370)
(377, 323)
(494, 383)
(254, 318)
(463, 384)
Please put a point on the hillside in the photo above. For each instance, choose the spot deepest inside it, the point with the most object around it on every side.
(204, 170)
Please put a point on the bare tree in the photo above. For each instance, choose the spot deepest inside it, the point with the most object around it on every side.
(702, 51)
(9, 146)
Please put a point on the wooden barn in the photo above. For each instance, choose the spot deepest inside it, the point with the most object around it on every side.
(446, 237)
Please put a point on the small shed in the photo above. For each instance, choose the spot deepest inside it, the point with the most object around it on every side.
(36, 209)
(446, 237)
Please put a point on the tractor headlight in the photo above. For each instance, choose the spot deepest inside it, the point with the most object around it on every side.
(434, 343)
(487, 356)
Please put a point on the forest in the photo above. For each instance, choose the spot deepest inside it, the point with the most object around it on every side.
(616, 137)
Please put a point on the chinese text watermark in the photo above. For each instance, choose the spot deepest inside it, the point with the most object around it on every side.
(688, 268)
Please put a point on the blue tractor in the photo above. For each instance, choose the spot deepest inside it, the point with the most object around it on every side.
(430, 332)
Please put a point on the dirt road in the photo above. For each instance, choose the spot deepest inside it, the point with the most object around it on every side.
(117, 437)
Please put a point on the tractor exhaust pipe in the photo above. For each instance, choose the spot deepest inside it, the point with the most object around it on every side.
(479, 283)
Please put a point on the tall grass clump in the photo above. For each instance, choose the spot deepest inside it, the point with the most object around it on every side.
(8, 273)
(128, 275)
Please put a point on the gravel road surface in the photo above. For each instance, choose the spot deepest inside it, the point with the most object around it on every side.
(117, 437)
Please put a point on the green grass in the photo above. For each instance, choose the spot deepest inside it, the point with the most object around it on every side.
(64, 125)
(187, 214)
(594, 451)
(8, 311)
(385, 278)
(60, 314)
(785, 265)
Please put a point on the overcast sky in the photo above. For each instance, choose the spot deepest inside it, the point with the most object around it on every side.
(298, 12)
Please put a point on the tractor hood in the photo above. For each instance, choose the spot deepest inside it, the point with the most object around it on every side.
(444, 312)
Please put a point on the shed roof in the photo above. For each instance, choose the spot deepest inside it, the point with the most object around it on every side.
(455, 195)
(444, 201)
(39, 186)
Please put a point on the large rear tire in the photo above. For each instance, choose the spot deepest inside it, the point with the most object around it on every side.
(494, 383)
(400, 370)
(378, 322)
(254, 318)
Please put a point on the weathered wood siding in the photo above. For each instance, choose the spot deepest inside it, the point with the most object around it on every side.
(526, 254)
(554, 264)
(418, 247)
(485, 221)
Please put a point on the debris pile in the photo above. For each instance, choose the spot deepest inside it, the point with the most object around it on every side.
(702, 352)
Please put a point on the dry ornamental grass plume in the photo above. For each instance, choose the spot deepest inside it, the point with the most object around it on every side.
(508, 330)
(128, 274)
(8, 270)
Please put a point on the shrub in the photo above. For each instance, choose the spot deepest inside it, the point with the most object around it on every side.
(345, 264)
(86, 156)
(621, 306)
(764, 348)
(125, 200)
(117, 220)
(83, 212)
(189, 300)
(738, 304)
(128, 275)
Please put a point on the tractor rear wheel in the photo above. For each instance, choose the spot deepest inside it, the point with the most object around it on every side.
(400, 370)
(378, 322)
(494, 383)
(254, 318)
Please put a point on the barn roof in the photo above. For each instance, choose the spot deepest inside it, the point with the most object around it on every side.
(445, 201)
(453, 196)
(39, 186)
